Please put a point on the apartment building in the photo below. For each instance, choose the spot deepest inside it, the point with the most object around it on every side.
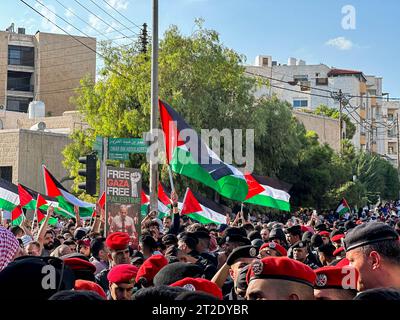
(43, 67)
(309, 86)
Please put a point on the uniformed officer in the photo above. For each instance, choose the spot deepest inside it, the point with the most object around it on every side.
(280, 278)
(301, 254)
(373, 248)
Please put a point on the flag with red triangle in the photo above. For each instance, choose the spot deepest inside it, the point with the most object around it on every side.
(268, 192)
(201, 209)
(66, 200)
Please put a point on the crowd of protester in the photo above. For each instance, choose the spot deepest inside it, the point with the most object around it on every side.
(306, 256)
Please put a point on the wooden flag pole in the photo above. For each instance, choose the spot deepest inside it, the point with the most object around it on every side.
(171, 181)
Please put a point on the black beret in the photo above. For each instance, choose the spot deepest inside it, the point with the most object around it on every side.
(299, 244)
(277, 234)
(368, 233)
(242, 252)
(316, 241)
(257, 243)
(327, 249)
(235, 231)
(237, 238)
(177, 271)
(201, 234)
(27, 272)
(307, 236)
(295, 230)
(241, 282)
(349, 225)
(75, 255)
(254, 235)
(321, 227)
(169, 239)
(80, 233)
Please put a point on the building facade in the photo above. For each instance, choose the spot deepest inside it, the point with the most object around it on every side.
(43, 67)
(25, 146)
(309, 86)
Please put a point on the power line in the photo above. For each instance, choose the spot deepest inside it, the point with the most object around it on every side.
(105, 58)
(98, 6)
(101, 19)
(122, 15)
(295, 82)
(83, 20)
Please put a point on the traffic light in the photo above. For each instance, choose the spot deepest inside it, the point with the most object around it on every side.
(90, 173)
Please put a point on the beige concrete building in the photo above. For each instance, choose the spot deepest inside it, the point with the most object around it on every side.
(43, 67)
(25, 146)
(326, 128)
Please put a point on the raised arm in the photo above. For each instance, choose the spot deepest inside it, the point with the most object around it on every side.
(43, 227)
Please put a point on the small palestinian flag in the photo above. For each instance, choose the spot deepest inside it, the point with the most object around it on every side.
(17, 216)
(202, 209)
(66, 200)
(342, 207)
(268, 192)
(30, 199)
(9, 198)
(101, 202)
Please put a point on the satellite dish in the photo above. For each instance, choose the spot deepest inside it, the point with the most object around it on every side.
(2, 107)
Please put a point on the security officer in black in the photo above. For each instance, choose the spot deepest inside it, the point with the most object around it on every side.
(302, 254)
(293, 236)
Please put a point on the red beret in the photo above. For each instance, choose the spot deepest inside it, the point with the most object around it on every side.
(80, 264)
(304, 229)
(199, 284)
(150, 268)
(343, 262)
(337, 237)
(334, 277)
(338, 251)
(125, 273)
(281, 268)
(275, 246)
(324, 234)
(85, 285)
(118, 241)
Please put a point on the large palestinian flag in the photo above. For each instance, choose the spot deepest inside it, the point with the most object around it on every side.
(196, 160)
(202, 209)
(268, 192)
(342, 207)
(66, 200)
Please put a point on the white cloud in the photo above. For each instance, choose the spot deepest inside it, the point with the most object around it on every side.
(69, 13)
(45, 24)
(340, 43)
(95, 22)
(118, 4)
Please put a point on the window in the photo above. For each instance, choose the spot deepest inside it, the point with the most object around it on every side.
(19, 81)
(21, 56)
(300, 77)
(17, 104)
(321, 81)
(6, 173)
(265, 62)
(390, 117)
(300, 103)
(391, 150)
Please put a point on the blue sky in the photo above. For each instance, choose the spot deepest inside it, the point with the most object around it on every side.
(306, 29)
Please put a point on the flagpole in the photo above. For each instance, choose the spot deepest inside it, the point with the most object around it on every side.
(171, 181)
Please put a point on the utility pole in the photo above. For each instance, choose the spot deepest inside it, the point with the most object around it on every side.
(144, 39)
(339, 96)
(154, 106)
